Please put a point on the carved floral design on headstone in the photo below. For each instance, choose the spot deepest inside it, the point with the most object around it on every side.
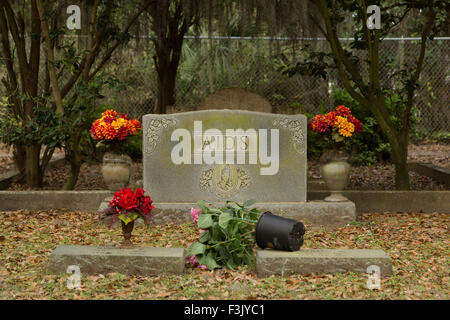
(153, 132)
(224, 180)
(295, 127)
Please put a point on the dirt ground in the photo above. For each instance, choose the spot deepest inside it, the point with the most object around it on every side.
(435, 153)
(6, 158)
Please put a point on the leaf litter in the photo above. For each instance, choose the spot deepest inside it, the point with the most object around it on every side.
(418, 244)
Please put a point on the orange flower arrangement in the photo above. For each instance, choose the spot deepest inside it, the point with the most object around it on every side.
(339, 123)
(111, 127)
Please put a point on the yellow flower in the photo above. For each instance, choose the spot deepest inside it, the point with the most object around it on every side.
(119, 122)
(345, 128)
(109, 113)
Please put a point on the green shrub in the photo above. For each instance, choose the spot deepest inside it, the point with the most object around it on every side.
(315, 145)
(371, 145)
(426, 134)
(133, 147)
(364, 158)
(45, 127)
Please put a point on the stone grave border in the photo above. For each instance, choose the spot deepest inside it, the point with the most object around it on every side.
(365, 201)
(439, 174)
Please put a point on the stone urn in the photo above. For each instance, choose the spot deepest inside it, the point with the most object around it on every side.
(116, 170)
(335, 169)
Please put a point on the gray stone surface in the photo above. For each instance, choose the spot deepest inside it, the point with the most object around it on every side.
(7, 177)
(145, 261)
(315, 213)
(393, 200)
(321, 261)
(171, 183)
(317, 184)
(365, 201)
(86, 201)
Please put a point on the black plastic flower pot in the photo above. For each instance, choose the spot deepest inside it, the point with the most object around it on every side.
(279, 233)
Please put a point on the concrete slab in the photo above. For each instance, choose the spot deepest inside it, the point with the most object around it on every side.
(393, 200)
(86, 201)
(316, 213)
(365, 201)
(328, 261)
(145, 261)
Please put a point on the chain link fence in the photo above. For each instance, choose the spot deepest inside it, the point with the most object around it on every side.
(213, 63)
(209, 64)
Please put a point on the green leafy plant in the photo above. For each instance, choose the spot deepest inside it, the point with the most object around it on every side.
(44, 127)
(133, 146)
(371, 145)
(227, 238)
(430, 135)
(364, 158)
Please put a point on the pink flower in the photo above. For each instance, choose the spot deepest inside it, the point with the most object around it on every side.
(193, 260)
(195, 213)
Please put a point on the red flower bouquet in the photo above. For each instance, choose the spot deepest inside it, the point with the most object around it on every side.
(128, 205)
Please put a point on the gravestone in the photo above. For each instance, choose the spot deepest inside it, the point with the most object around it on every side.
(235, 99)
(220, 155)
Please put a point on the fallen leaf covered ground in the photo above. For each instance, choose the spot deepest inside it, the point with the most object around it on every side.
(417, 243)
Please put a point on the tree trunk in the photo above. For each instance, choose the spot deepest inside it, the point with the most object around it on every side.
(166, 87)
(397, 140)
(33, 173)
(399, 154)
(75, 161)
(401, 174)
(19, 154)
(170, 27)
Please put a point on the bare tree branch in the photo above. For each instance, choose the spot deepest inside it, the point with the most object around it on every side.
(117, 43)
